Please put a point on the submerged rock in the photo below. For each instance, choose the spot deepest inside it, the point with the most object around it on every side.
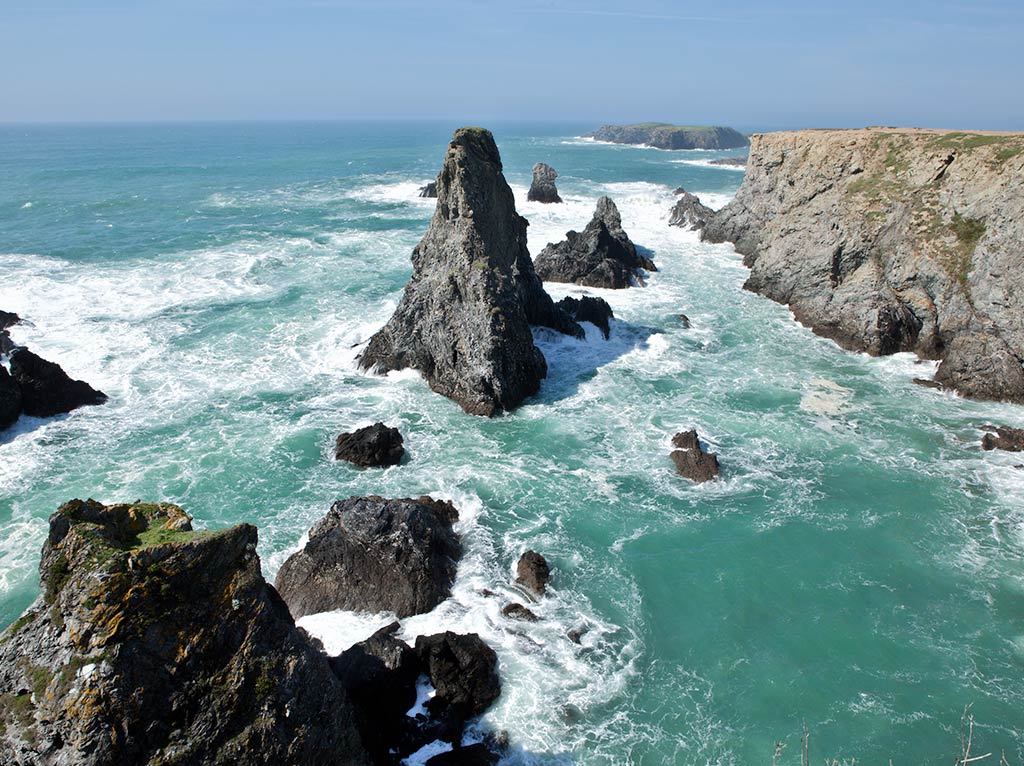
(1001, 437)
(517, 611)
(691, 460)
(601, 256)
(533, 572)
(430, 190)
(46, 390)
(464, 319)
(375, 555)
(373, 446)
(689, 212)
(155, 644)
(587, 308)
(542, 189)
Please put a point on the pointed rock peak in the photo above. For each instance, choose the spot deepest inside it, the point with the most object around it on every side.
(608, 212)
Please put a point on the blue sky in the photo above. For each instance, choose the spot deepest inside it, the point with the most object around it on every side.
(749, 64)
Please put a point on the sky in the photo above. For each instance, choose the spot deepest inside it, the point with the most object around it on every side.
(751, 65)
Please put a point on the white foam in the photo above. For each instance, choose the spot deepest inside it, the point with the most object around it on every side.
(26, 206)
(428, 751)
(711, 164)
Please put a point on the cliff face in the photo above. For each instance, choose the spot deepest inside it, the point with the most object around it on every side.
(155, 644)
(889, 240)
(661, 135)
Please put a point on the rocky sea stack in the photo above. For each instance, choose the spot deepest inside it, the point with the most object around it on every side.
(429, 191)
(889, 240)
(464, 319)
(662, 135)
(542, 189)
(376, 555)
(155, 644)
(370, 447)
(690, 458)
(601, 256)
(689, 212)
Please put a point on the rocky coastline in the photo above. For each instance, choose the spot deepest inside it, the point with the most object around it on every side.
(662, 135)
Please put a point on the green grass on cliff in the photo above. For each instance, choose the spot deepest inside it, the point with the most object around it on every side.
(1006, 147)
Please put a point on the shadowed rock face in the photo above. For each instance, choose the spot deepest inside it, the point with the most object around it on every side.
(155, 644)
(375, 555)
(587, 308)
(601, 256)
(689, 212)
(888, 240)
(542, 189)
(464, 319)
(430, 190)
(46, 390)
(370, 447)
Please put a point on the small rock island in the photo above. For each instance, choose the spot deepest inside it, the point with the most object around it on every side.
(662, 135)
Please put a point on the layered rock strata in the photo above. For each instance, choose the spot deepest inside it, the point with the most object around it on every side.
(464, 319)
(889, 240)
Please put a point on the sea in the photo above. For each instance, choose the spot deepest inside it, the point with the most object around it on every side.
(856, 573)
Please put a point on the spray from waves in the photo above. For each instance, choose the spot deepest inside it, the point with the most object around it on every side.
(710, 164)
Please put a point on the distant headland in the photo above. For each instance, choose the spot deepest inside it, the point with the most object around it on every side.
(662, 135)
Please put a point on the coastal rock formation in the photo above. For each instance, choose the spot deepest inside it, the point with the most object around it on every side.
(1000, 437)
(601, 256)
(889, 240)
(542, 189)
(464, 673)
(464, 319)
(373, 554)
(690, 458)
(46, 390)
(689, 212)
(517, 611)
(372, 446)
(533, 572)
(587, 308)
(430, 190)
(662, 135)
(10, 399)
(730, 162)
(155, 644)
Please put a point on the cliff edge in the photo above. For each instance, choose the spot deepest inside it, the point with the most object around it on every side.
(889, 240)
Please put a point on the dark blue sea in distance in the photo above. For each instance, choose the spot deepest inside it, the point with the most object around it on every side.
(857, 568)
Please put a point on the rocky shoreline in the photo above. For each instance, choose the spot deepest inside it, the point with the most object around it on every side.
(662, 135)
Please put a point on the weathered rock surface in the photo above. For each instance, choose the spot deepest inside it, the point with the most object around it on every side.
(464, 319)
(689, 212)
(662, 135)
(587, 308)
(373, 446)
(46, 390)
(464, 672)
(155, 644)
(430, 190)
(602, 255)
(542, 189)
(889, 240)
(690, 458)
(533, 572)
(1001, 437)
(373, 554)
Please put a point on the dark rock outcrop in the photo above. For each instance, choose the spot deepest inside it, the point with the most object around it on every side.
(372, 446)
(464, 672)
(10, 399)
(477, 754)
(730, 162)
(430, 190)
(690, 458)
(155, 644)
(46, 390)
(8, 319)
(602, 255)
(662, 135)
(542, 189)
(464, 319)
(889, 240)
(587, 308)
(689, 212)
(517, 611)
(1001, 437)
(373, 554)
(533, 572)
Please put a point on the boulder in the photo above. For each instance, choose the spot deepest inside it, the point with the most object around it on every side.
(152, 643)
(10, 399)
(691, 460)
(533, 572)
(464, 318)
(464, 672)
(542, 189)
(601, 256)
(372, 554)
(689, 213)
(373, 446)
(519, 612)
(430, 190)
(587, 308)
(46, 390)
(1000, 437)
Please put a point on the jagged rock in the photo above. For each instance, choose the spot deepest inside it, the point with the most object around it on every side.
(587, 308)
(533, 572)
(689, 212)
(374, 555)
(519, 612)
(684, 321)
(373, 446)
(690, 458)
(662, 135)
(464, 319)
(601, 256)
(8, 319)
(46, 390)
(464, 672)
(155, 644)
(10, 399)
(889, 240)
(542, 189)
(1009, 439)
(430, 190)
(477, 754)
(679, 190)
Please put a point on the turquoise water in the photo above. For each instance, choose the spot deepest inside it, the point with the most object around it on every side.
(858, 567)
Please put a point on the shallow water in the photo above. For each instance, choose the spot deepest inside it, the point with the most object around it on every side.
(857, 568)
